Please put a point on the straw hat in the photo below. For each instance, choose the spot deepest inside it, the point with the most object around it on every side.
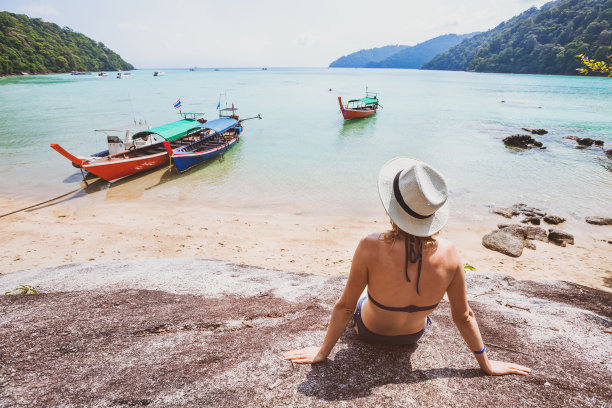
(414, 195)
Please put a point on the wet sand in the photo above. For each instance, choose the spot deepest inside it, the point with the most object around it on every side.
(81, 230)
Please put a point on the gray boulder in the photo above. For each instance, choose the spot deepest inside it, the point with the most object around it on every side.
(505, 242)
(525, 231)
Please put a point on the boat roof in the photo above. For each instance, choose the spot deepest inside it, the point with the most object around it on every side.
(170, 131)
(219, 125)
(367, 101)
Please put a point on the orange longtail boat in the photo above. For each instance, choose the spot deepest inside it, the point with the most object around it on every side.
(113, 167)
(359, 108)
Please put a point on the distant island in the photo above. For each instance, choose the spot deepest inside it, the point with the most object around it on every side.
(542, 40)
(34, 46)
(399, 56)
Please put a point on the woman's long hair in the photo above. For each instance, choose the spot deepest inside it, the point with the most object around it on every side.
(420, 244)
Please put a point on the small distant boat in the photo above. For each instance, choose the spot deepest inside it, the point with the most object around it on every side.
(264, 69)
(113, 167)
(159, 73)
(124, 75)
(193, 69)
(102, 74)
(80, 73)
(228, 113)
(359, 108)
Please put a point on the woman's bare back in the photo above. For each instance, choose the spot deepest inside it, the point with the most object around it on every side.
(387, 283)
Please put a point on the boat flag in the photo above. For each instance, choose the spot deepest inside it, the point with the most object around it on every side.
(232, 105)
(177, 104)
(219, 104)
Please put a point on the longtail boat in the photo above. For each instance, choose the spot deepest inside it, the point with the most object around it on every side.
(217, 136)
(113, 167)
(359, 108)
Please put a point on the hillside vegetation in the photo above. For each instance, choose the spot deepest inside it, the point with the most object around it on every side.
(416, 56)
(35, 46)
(538, 41)
(361, 58)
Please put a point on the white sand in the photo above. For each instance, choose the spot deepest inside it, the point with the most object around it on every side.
(127, 228)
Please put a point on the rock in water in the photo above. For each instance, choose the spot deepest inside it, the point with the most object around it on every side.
(535, 131)
(599, 220)
(522, 141)
(504, 242)
(559, 237)
(585, 141)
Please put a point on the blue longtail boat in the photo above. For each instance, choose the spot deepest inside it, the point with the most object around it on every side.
(219, 135)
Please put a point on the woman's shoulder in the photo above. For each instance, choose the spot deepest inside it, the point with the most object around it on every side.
(446, 252)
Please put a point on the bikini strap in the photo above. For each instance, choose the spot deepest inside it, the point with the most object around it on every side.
(414, 257)
(406, 262)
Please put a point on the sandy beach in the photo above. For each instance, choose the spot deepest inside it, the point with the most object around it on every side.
(82, 230)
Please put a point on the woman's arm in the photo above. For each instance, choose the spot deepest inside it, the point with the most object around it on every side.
(343, 310)
(464, 319)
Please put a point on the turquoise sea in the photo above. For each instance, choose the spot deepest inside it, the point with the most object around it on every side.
(302, 158)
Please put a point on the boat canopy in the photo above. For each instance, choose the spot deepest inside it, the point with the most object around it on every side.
(367, 101)
(218, 125)
(169, 131)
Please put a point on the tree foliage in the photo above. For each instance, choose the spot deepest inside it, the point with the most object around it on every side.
(538, 41)
(35, 46)
(591, 65)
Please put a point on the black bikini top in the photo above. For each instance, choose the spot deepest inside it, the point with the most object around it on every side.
(411, 256)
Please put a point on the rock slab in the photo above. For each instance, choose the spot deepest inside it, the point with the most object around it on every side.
(191, 332)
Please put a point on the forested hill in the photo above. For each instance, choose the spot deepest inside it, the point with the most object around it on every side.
(416, 56)
(538, 41)
(35, 46)
(360, 58)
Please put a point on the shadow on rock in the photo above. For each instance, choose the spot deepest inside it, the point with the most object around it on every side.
(361, 367)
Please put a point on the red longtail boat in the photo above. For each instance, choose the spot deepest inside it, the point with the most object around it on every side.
(359, 108)
(113, 167)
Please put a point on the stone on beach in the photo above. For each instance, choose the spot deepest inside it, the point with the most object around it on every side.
(190, 332)
(525, 231)
(553, 219)
(559, 237)
(599, 220)
(505, 242)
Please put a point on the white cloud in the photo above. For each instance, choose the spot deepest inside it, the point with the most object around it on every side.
(39, 10)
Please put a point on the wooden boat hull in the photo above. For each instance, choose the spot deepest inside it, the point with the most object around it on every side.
(185, 161)
(113, 170)
(349, 114)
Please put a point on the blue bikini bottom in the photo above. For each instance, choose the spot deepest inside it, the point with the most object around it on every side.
(366, 335)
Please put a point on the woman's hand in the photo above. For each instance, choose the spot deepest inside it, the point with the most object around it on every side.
(308, 355)
(503, 368)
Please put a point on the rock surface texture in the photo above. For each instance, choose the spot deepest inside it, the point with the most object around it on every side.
(189, 332)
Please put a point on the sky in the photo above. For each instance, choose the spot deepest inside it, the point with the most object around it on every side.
(263, 33)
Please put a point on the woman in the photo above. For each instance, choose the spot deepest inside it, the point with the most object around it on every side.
(406, 272)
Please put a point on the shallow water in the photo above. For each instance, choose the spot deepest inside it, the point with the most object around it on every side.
(302, 157)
